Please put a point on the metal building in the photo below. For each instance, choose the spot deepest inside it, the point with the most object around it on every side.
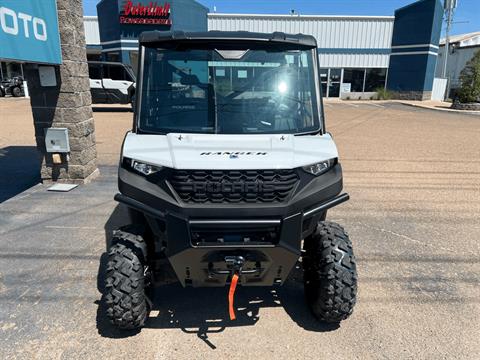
(353, 50)
(92, 37)
(358, 54)
(462, 48)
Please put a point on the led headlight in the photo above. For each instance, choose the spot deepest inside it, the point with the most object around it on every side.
(320, 167)
(145, 169)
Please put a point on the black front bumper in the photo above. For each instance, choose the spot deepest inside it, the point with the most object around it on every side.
(274, 231)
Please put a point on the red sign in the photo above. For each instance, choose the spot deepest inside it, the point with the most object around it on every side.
(151, 14)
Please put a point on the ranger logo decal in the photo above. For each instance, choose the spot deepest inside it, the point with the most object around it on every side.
(233, 154)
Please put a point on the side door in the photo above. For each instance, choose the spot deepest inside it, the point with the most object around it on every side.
(96, 87)
(116, 82)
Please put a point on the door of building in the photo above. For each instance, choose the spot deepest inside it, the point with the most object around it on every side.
(334, 79)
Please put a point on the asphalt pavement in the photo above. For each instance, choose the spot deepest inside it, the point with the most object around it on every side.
(414, 180)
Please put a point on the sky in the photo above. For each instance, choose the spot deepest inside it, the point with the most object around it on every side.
(466, 19)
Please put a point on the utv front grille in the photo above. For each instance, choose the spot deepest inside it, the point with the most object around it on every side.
(234, 186)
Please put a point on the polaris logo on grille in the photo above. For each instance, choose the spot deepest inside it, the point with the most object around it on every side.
(234, 186)
(233, 154)
(227, 187)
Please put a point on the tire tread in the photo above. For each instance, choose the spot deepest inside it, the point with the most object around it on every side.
(126, 302)
(330, 272)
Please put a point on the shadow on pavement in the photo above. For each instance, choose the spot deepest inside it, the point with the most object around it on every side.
(117, 219)
(203, 311)
(20, 170)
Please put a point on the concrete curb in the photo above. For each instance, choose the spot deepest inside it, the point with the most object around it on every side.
(403, 102)
(459, 112)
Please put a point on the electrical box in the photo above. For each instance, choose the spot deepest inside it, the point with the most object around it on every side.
(56, 140)
(47, 76)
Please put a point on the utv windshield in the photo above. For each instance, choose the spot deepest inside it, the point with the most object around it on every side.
(228, 91)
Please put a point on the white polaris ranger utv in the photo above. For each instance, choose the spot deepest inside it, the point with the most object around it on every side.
(227, 171)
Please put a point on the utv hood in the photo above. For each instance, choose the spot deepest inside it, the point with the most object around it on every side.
(229, 152)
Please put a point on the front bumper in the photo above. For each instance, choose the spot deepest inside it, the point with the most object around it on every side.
(267, 236)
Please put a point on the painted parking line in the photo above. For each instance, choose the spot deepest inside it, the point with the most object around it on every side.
(377, 105)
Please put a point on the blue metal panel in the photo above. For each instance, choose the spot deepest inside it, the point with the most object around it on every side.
(407, 72)
(416, 34)
(108, 23)
(188, 15)
(29, 31)
(430, 72)
(125, 56)
(417, 23)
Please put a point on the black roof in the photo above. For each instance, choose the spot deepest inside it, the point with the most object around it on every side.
(158, 37)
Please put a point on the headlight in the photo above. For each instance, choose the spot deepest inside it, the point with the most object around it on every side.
(320, 167)
(145, 169)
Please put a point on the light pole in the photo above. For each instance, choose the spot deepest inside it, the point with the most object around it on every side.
(449, 6)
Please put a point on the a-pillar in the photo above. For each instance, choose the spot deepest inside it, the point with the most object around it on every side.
(66, 104)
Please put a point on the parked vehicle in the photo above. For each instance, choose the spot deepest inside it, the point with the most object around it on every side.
(228, 169)
(111, 82)
(2, 90)
(13, 86)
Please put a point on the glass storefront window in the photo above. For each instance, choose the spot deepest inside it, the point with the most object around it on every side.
(375, 79)
(112, 56)
(94, 57)
(11, 69)
(324, 81)
(355, 78)
(334, 82)
(335, 75)
(3, 70)
(134, 60)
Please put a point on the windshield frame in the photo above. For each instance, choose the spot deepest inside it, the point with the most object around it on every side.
(212, 46)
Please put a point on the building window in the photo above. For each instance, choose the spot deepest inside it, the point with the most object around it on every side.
(375, 78)
(94, 57)
(223, 79)
(134, 60)
(241, 76)
(11, 69)
(334, 82)
(354, 77)
(324, 81)
(112, 56)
